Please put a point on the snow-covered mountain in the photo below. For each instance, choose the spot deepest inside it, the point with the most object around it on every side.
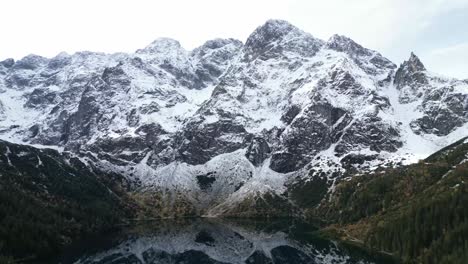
(230, 126)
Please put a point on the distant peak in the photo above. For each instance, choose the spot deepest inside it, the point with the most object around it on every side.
(345, 44)
(220, 42)
(339, 38)
(277, 23)
(280, 34)
(62, 55)
(161, 44)
(276, 26)
(165, 41)
(272, 30)
(340, 41)
(8, 63)
(30, 62)
(411, 73)
(414, 63)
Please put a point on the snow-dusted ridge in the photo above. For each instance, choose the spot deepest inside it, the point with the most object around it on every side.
(230, 121)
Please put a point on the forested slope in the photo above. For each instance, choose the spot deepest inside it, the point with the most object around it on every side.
(417, 212)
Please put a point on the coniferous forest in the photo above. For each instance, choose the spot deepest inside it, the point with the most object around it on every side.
(46, 201)
(417, 212)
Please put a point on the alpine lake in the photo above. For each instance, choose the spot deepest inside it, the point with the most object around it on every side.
(211, 240)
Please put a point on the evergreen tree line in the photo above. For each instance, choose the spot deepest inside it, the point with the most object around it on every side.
(417, 212)
(45, 207)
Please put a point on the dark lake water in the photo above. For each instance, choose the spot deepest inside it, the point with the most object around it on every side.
(214, 241)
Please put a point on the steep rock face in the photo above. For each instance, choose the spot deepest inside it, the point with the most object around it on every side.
(442, 101)
(273, 40)
(214, 57)
(2, 112)
(200, 144)
(227, 123)
(376, 63)
(410, 79)
(258, 151)
(307, 135)
(24, 72)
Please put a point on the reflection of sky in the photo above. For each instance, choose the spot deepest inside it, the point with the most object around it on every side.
(434, 29)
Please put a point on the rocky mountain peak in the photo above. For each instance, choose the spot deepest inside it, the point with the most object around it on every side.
(271, 31)
(369, 60)
(276, 36)
(161, 45)
(214, 57)
(411, 73)
(345, 44)
(30, 62)
(8, 63)
(273, 28)
(218, 43)
(414, 63)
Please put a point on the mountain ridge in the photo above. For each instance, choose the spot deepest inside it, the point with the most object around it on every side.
(228, 123)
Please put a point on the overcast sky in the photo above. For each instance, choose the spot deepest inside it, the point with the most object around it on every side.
(436, 30)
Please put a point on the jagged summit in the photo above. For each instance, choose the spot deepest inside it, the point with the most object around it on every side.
(161, 45)
(7, 63)
(411, 66)
(30, 62)
(276, 36)
(414, 64)
(345, 44)
(370, 60)
(411, 77)
(273, 28)
(218, 43)
(270, 32)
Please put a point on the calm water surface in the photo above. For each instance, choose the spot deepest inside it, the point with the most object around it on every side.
(201, 241)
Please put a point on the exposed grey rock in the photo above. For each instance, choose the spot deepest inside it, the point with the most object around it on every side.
(443, 109)
(133, 118)
(40, 97)
(277, 36)
(369, 132)
(442, 120)
(213, 58)
(150, 108)
(410, 78)
(199, 143)
(33, 131)
(258, 151)
(2, 112)
(308, 134)
(360, 55)
(8, 63)
(30, 62)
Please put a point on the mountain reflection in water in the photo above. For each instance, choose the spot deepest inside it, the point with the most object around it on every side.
(214, 241)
